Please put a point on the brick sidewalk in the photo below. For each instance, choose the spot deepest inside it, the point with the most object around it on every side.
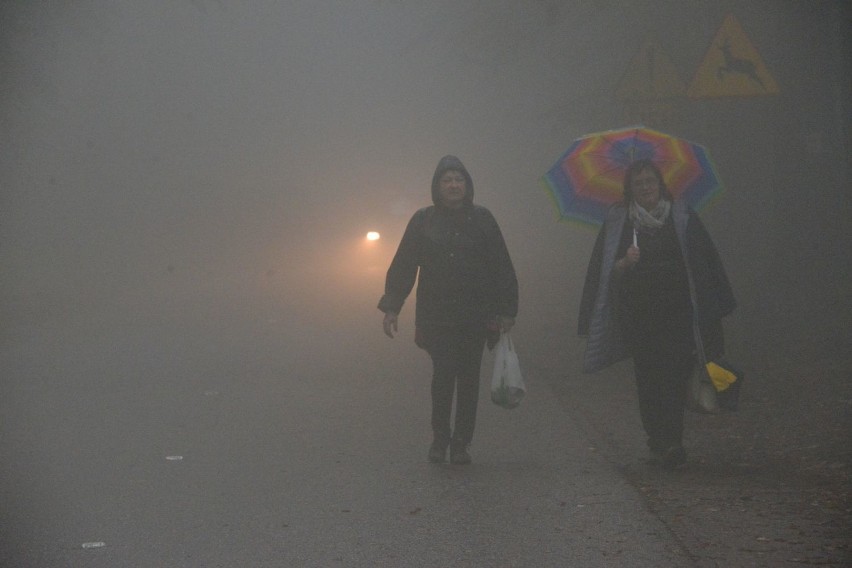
(767, 486)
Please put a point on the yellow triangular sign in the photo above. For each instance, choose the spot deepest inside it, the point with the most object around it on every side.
(650, 75)
(732, 67)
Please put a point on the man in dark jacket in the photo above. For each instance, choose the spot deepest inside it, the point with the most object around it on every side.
(466, 286)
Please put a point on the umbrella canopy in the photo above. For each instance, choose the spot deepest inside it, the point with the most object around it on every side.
(589, 176)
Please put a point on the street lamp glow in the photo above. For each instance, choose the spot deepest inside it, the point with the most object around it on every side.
(373, 236)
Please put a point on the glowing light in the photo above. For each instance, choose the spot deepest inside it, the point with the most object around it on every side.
(373, 236)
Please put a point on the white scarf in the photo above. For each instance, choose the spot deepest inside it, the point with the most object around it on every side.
(653, 219)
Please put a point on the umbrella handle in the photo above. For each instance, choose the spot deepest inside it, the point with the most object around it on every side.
(635, 241)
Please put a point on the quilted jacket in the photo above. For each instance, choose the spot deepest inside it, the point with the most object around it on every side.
(710, 291)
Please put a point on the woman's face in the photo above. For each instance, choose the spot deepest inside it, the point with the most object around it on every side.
(452, 188)
(646, 188)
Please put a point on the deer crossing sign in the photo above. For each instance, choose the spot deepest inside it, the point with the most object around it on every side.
(732, 67)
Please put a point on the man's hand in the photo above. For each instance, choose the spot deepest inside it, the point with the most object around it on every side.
(389, 324)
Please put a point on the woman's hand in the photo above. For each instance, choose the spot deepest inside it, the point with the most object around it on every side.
(505, 323)
(627, 261)
(389, 324)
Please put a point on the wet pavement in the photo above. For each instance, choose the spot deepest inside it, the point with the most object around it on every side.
(242, 440)
(769, 485)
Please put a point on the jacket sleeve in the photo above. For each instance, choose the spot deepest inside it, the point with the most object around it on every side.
(590, 286)
(711, 278)
(403, 269)
(507, 280)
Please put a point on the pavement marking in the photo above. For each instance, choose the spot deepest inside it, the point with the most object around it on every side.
(94, 544)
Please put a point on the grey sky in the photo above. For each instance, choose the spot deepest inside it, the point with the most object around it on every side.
(205, 143)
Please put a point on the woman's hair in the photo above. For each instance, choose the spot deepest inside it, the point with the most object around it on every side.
(635, 168)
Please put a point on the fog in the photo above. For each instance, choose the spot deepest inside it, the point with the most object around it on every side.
(201, 160)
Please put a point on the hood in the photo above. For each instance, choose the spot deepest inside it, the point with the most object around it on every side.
(451, 163)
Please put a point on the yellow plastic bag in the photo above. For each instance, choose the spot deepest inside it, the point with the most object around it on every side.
(722, 378)
(727, 379)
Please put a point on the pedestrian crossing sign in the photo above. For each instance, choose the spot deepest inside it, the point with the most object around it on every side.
(732, 67)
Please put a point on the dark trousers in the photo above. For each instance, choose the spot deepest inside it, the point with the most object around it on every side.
(663, 364)
(456, 353)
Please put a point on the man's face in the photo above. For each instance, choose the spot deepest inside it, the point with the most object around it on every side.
(452, 188)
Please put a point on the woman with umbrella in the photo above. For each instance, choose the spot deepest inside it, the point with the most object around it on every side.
(655, 291)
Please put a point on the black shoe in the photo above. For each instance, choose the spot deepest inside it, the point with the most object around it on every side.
(674, 457)
(459, 454)
(655, 457)
(438, 452)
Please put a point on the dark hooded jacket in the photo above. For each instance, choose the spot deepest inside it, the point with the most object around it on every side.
(465, 273)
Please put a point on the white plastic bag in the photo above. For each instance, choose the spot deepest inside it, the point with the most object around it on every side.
(702, 393)
(507, 383)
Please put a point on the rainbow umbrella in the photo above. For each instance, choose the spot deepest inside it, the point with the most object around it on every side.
(589, 176)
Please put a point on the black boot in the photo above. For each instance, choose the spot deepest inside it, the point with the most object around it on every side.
(438, 451)
(674, 457)
(458, 453)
